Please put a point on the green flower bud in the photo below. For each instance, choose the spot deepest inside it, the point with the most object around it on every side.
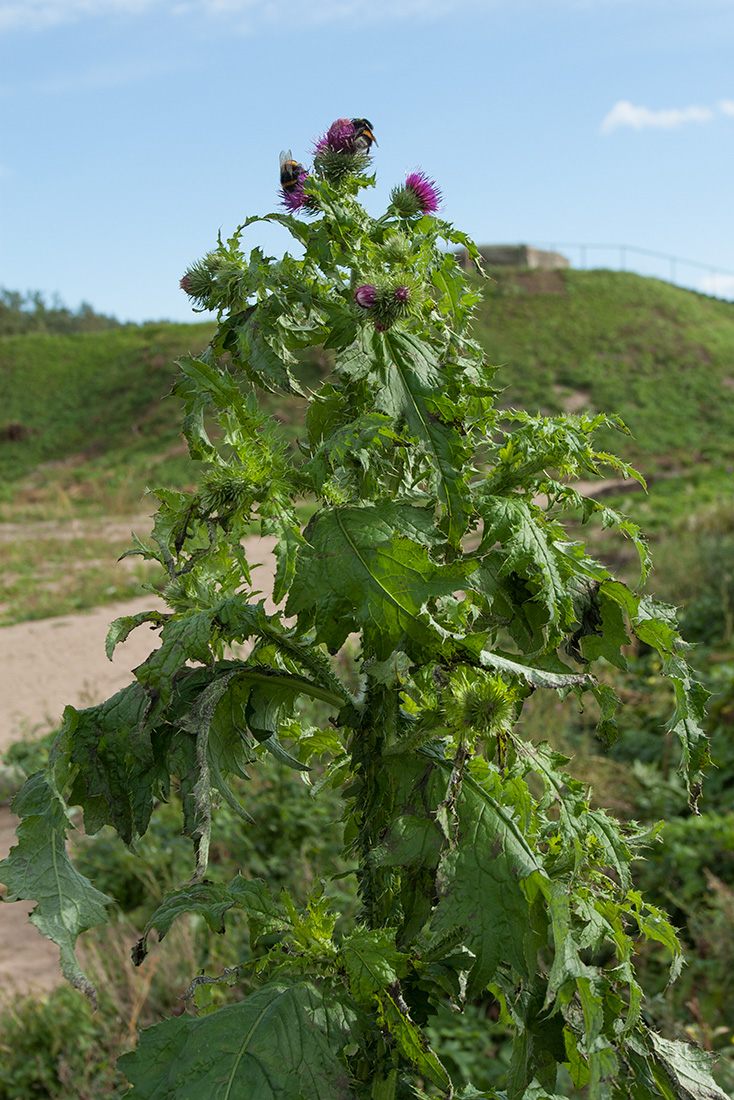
(334, 167)
(396, 249)
(480, 702)
(227, 490)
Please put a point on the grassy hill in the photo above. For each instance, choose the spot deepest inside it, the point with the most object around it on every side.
(87, 396)
(659, 356)
(83, 425)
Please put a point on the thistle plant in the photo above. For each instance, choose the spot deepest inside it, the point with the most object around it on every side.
(437, 539)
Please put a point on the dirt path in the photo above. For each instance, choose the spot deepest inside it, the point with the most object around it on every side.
(45, 665)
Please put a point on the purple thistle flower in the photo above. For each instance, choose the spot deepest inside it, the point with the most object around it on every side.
(339, 138)
(365, 295)
(185, 283)
(402, 294)
(427, 194)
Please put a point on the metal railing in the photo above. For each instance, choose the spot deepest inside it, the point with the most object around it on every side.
(718, 281)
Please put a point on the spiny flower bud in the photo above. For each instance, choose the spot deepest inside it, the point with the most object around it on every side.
(227, 489)
(385, 304)
(198, 280)
(481, 703)
(396, 249)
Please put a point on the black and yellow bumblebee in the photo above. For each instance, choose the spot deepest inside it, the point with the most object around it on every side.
(363, 135)
(290, 171)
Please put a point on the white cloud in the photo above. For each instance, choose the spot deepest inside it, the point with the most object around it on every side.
(721, 286)
(43, 14)
(726, 106)
(40, 14)
(625, 113)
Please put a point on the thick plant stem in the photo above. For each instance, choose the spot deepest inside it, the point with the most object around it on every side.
(374, 803)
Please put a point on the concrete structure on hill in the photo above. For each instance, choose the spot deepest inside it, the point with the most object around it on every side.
(515, 255)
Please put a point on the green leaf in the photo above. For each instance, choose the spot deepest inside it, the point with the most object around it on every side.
(372, 571)
(372, 962)
(529, 544)
(280, 1043)
(685, 1069)
(611, 635)
(272, 745)
(411, 377)
(210, 900)
(538, 677)
(411, 1041)
(286, 553)
(482, 886)
(264, 914)
(654, 624)
(38, 868)
(121, 628)
(115, 775)
(374, 966)
(182, 640)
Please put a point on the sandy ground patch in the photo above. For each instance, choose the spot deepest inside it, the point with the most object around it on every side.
(46, 665)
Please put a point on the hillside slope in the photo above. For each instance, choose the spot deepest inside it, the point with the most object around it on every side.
(87, 392)
(82, 411)
(659, 356)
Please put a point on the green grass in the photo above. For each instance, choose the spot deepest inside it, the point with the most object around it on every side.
(659, 356)
(87, 424)
(87, 392)
(49, 572)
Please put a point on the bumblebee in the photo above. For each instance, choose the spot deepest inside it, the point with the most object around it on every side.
(290, 171)
(363, 135)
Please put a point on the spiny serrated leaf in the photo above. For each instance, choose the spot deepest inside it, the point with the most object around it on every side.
(374, 966)
(181, 640)
(258, 902)
(538, 677)
(685, 1069)
(372, 962)
(611, 635)
(121, 628)
(529, 547)
(38, 868)
(210, 900)
(273, 746)
(654, 623)
(479, 886)
(411, 374)
(244, 620)
(286, 553)
(411, 1041)
(114, 765)
(280, 1043)
(370, 574)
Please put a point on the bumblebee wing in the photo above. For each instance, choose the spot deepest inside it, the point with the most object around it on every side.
(285, 155)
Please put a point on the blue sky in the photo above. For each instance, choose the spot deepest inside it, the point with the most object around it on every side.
(131, 131)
